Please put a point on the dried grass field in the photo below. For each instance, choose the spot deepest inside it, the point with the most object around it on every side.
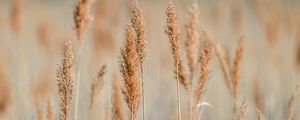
(149, 59)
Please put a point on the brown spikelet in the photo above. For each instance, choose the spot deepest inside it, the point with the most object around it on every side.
(40, 90)
(97, 85)
(221, 58)
(192, 40)
(205, 58)
(39, 93)
(82, 18)
(258, 98)
(259, 115)
(272, 31)
(236, 68)
(298, 51)
(65, 82)
(129, 69)
(118, 110)
(172, 31)
(237, 17)
(5, 94)
(43, 34)
(138, 23)
(15, 18)
(291, 104)
(241, 113)
(50, 112)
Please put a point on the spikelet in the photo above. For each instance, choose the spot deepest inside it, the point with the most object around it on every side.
(224, 66)
(82, 18)
(97, 85)
(5, 95)
(172, 31)
(43, 34)
(236, 68)
(241, 115)
(298, 50)
(39, 93)
(129, 69)
(138, 23)
(205, 59)
(65, 82)
(50, 112)
(192, 40)
(259, 115)
(15, 18)
(258, 98)
(118, 110)
(40, 90)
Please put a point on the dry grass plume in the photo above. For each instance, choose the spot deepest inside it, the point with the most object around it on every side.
(236, 68)
(205, 59)
(97, 85)
(241, 113)
(129, 70)
(82, 18)
(5, 93)
(15, 16)
(259, 115)
(50, 110)
(192, 40)
(65, 83)
(118, 110)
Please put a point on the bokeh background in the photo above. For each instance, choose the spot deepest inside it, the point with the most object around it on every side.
(31, 48)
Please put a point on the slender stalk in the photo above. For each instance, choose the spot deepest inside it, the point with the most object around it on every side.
(178, 94)
(77, 81)
(191, 99)
(143, 93)
(132, 114)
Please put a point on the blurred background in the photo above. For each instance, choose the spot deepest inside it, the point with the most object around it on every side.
(33, 32)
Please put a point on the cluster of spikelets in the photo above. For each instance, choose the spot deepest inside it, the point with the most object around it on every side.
(132, 59)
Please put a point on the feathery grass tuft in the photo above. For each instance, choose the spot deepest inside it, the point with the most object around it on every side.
(65, 83)
(97, 85)
(15, 16)
(192, 40)
(241, 114)
(172, 31)
(236, 68)
(129, 69)
(259, 115)
(199, 89)
(50, 112)
(220, 52)
(82, 18)
(118, 110)
(5, 94)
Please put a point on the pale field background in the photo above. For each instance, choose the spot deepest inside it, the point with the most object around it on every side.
(27, 61)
